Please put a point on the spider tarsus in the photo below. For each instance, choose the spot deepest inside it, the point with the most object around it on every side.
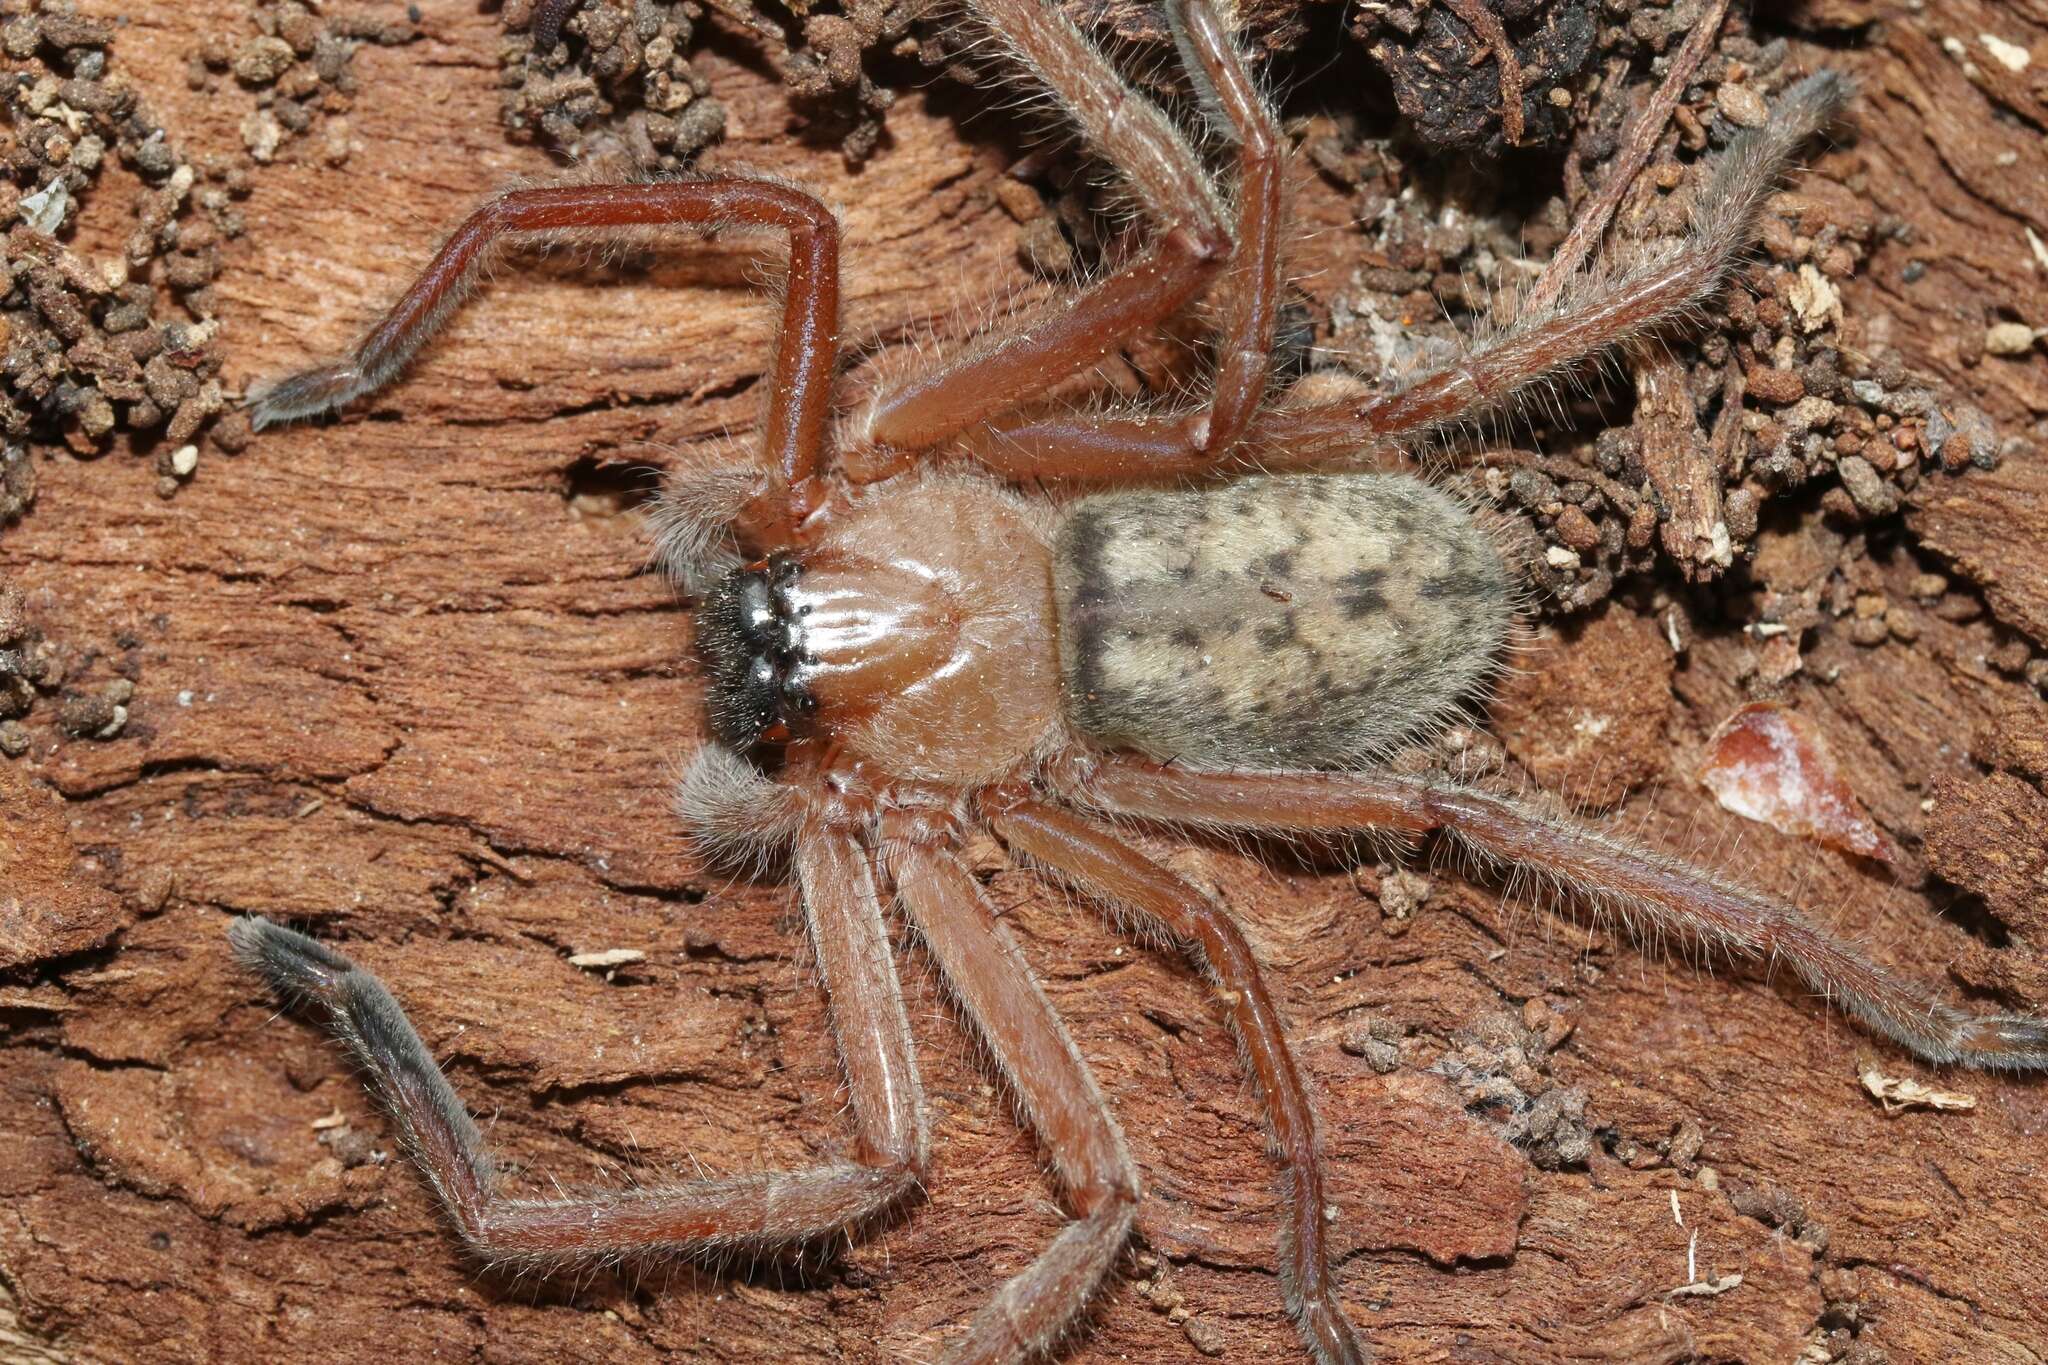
(308, 393)
(1329, 1334)
(1754, 161)
(2005, 1042)
(295, 967)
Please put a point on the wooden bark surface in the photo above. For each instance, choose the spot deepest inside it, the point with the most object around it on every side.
(397, 686)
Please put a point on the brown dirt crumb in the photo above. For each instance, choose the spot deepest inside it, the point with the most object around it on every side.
(85, 352)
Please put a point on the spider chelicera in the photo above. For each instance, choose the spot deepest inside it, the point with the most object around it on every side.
(1219, 622)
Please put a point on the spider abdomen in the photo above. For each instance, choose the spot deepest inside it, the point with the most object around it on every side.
(1307, 621)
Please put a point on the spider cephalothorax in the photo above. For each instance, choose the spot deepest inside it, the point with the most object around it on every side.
(897, 653)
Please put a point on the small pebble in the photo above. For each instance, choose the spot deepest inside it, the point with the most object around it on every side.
(1773, 385)
(1742, 106)
(2009, 338)
(261, 134)
(1577, 530)
(262, 60)
(1873, 496)
(1205, 1337)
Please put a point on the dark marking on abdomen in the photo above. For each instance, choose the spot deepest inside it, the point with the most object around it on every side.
(1376, 605)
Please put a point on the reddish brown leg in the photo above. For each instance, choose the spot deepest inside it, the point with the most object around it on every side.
(1595, 312)
(799, 400)
(764, 1211)
(1649, 890)
(1053, 1087)
(1101, 865)
(1098, 448)
(1141, 144)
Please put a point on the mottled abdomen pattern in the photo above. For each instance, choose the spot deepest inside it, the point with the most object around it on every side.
(1275, 622)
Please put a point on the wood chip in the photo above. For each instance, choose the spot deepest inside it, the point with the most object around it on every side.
(1897, 1093)
(1770, 764)
(610, 957)
(1705, 1289)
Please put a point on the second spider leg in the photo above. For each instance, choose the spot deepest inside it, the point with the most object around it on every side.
(759, 1212)
(1095, 447)
(1053, 1087)
(1103, 866)
(1649, 890)
(1194, 239)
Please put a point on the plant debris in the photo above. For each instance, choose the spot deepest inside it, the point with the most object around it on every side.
(1501, 1069)
(296, 62)
(84, 350)
(615, 88)
(1457, 69)
(1899, 1093)
(1768, 763)
(33, 667)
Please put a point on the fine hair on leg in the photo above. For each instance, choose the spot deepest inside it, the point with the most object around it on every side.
(1650, 892)
(1607, 306)
(759, 1212)
(1052, 1086)
(1102, 866)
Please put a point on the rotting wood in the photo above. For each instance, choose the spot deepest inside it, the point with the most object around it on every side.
(399, 682)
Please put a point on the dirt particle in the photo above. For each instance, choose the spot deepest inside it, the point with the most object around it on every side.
(262, 60)
(1205, 1336)
(1377, 1040)
(2009, 338)
(1742, 106)
(1501, 1067)
(1774, 385)
(1872, 495)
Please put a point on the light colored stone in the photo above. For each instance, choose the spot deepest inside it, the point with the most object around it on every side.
(1742, 106)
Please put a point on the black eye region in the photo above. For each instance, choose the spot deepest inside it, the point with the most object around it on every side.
(752, 642)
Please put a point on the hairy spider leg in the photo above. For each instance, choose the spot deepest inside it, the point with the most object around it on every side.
(755, 1212)
(1592, 313)
(1649, 890)
(806, 353)
(1102, 447)
(1053, 1087)
(1103, 866)
(1135, 139)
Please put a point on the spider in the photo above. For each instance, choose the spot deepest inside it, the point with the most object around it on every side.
(1224, 620)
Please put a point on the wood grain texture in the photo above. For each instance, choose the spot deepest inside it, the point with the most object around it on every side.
(398, 688)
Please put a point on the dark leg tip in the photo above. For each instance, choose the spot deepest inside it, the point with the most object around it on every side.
(2021, 1042)
(293, 965)
(305, 394)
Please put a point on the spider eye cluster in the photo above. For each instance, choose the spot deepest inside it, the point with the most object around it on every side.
(751, 633)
